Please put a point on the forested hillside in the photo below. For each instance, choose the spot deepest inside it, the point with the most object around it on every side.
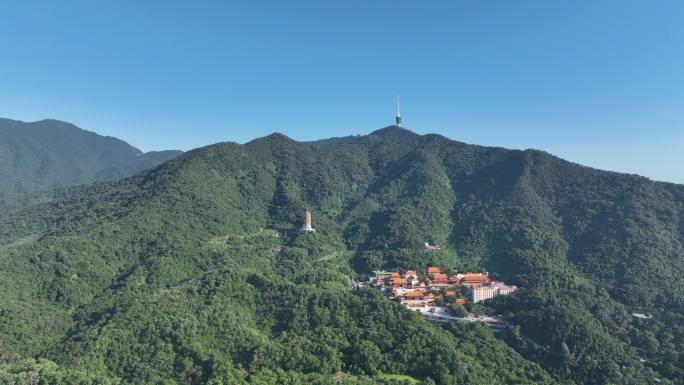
(196, 272)
(39, 156)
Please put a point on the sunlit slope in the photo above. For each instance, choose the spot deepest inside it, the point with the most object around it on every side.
(161, 266)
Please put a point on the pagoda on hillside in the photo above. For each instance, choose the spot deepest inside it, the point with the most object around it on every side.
(307, 222)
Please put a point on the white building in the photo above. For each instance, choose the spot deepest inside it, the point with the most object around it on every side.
(486, 292)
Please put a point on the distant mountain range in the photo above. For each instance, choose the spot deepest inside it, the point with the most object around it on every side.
(50, 153)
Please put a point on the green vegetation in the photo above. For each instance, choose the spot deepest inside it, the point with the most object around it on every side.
(196, 271)
(40, 156)
(397, 378)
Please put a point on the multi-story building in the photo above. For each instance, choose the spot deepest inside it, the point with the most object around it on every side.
(485, 292)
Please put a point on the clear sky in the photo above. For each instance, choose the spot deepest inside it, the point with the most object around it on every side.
(596, 82)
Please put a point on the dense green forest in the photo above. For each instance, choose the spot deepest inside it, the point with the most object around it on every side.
(43, 155)
(196, 272)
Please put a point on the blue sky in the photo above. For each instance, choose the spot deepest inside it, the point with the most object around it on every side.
(596, 82)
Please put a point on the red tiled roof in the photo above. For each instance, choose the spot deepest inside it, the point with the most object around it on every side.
(477, 278)
(434, 269)
(414, 294)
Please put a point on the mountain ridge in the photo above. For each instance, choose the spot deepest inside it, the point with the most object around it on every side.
(45, 154)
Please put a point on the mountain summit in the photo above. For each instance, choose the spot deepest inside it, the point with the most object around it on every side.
(51, 153)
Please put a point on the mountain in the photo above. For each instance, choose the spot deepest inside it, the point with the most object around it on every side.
(336, 141)
(46, 154)
(196, 271)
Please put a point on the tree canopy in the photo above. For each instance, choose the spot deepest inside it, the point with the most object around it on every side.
(196, 271)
